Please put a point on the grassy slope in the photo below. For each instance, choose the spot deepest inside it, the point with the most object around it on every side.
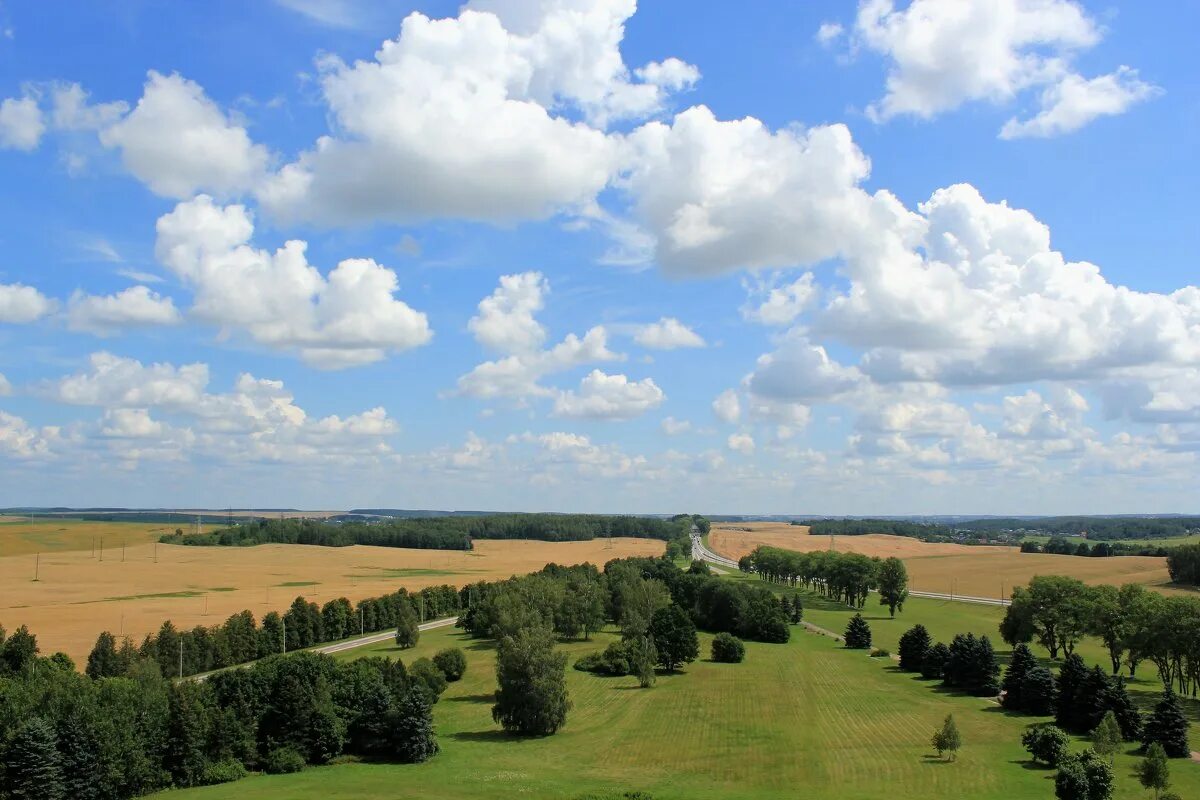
(805, 717)
(20, 536)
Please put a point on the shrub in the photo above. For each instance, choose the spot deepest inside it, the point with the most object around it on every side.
(451, 662)
(226, 771)
(428, 679)
(858, 633)
(283, 760)
(615, 661)
(728, 649)
(879, 652)
(1046, 743)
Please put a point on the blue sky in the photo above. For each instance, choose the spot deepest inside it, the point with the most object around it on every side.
(904, 258)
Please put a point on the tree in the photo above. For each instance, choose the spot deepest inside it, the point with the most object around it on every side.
(728, 649)
(642, 658)
(858, 633)
(187, 733)
(271, 637)
(19, 651)
(674, 637)
(893, 584)
(1154, 772)
(1086, 776)
(428, 678)
(1046, 743)
(1106, 738)
(411, 738)
(451, 662)
(1128, 717)
(1108, 619)
(914, 644)
(531, 698)
(935, 659)
(80, 753)
(104, 661)
(1097, 698)
(408, 628)
(1072, 711)
(1019, 666)
(797, 612)
(1168, 727)
(1039, 692)
(1052, 609)
(947, 739)
(34, 765)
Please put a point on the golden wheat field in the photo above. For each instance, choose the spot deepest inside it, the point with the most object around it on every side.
(77, 595)
(974, 570)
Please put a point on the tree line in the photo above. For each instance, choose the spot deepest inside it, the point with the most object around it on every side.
(1061, 546)
(1183, 564)
(1110, 528)
(181, 653)
(67, 735)
(844, 577)
(438, 533)
(1134, 624)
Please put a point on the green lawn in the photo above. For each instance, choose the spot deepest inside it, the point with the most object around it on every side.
(807, 719)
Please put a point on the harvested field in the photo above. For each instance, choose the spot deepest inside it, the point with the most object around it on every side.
(79, 596)
(20, 535)
(980, 571)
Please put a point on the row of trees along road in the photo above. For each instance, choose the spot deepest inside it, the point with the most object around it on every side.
(1134, 624)
(845, 577)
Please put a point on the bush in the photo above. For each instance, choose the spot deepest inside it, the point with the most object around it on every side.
(879, 652)
(858, 633)
(283, 760)
(451, 662)
(615, 661)
(728, 649)
(1046, 743)
(428, 679)
(227, 771)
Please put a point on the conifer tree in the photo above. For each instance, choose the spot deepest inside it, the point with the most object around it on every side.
(1015, 676)
(914, 644)
(858, 633)
(1039, 692)
(1168, 726)
(1071, 714)
(34, 765)
(1128, 716)
(411, 736)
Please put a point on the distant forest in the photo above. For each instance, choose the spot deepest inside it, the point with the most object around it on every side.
(438, 533)
(1096, 528)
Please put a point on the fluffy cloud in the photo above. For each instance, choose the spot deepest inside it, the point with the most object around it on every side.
(801, 372)
(20, 304)
(1075, 101)
(178, 141)
(667, 334)
(612, 397)
(780, 305)
(517, 376)
(71, 111)
(727, 406)
(347, 318)
(741, 443)
(21, 124)
(505, 321)
(943, 53)
(134, 307)
(115, 382)
(721, 195)
(19, 440)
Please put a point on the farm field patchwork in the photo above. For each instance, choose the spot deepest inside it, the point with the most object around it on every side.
(78, 596)
(804, 719)
(976, 570)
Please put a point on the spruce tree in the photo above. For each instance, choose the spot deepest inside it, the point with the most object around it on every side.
(934, 661)
(187, 733)
(1039, 692)
(858, 633)
(103, 661)
(913, 645)
(1106, 738)
(34, 765)
(1097, 698)
(797, 610)
(1015, 676)
(1072, 711)
(411, 736)
(80, 751)
(1168, 726)
(1128, 716)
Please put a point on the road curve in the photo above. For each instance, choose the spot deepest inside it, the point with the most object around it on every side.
(702, 553)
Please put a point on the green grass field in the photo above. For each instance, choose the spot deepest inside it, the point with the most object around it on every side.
(807, 719)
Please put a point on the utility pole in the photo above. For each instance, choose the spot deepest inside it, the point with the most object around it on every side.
(122, 551)
(206, 604)
(422, 598)
(37, 568)
(101, 548)
(181, 657)
(283, 622)
(93, 547)
(362, 628)
(156, 552)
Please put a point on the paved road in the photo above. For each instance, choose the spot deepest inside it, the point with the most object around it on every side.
(700, 552)
(349, 644)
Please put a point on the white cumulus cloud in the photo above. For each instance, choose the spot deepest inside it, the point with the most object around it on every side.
(667, 334)
(21, 124)
(20, 304)
(134, 307)
(614, 397)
